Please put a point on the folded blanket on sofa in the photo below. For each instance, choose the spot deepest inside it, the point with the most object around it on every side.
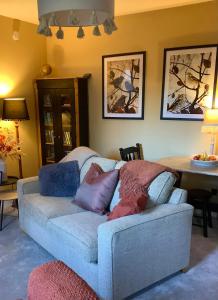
(136, 177)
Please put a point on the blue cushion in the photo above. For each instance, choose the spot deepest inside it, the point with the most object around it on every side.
(60, 180)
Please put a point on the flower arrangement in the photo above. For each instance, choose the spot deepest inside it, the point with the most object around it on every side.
(8, 145)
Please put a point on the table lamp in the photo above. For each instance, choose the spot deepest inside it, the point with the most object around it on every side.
(15, 109)
(210, 126)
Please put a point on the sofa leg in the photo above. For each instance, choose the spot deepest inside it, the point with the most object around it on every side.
(184, 270)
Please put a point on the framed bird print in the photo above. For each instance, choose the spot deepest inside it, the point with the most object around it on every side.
(123, 81)
(189, 79)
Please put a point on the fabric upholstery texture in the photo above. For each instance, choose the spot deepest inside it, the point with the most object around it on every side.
(157, 241)
(116, 197)
(28, 185)
(49, 240)
(54, 280)
(79, 231)
(42, 208)
(94, 171)
(160, 189)
(116, 258)
(60, 180)
(96, 190)
(178, 196)
(81, 154)
(105, 163)
(135, 177)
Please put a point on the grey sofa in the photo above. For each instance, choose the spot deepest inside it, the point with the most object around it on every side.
(116, 258)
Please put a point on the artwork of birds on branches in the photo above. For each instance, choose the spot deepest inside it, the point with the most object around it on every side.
(123, 86)
(189, 83)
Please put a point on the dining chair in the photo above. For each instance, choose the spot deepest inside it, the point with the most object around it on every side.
(131, 153)
(200, 200)
(212, 207)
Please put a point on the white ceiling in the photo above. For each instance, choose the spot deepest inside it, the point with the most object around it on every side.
(26, 10)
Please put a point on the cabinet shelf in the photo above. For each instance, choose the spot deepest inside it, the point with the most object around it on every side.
(49, 161)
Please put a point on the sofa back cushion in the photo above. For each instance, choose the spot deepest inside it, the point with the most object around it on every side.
(105, 163)
(116, 197)
(81, 154)
(159, 190)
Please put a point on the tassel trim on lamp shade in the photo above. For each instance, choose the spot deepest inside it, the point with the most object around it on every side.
(76, 14)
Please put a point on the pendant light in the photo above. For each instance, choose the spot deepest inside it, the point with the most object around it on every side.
(76, 13)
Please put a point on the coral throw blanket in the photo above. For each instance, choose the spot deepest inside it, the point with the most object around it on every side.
(135, 176)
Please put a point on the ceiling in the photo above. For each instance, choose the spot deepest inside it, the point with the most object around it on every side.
(26, 10)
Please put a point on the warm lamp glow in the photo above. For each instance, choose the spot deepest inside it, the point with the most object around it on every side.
(7, 124)
(211, 117)
(208, 101)
(6, 85)
(216, 102)
(210, 125)
(4, 89)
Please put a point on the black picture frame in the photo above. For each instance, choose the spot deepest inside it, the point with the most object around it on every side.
(180, 99)
(116, 86)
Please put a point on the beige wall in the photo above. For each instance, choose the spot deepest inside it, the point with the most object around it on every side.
(20, 63)
(153, 31)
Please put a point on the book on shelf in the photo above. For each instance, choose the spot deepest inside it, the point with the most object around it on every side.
(67, 138)
(47, 101)
(49, 136)
(48, 119)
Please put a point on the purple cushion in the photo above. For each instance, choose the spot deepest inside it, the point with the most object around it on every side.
(97, 189)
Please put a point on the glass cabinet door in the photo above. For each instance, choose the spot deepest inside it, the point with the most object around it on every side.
(68, 122)
(49, 136)
(47, 127)
(57, 123)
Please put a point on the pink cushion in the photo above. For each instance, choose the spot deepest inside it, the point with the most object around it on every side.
(54, 280)
(97, 189)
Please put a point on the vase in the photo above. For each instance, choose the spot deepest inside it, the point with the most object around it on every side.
(3, 171)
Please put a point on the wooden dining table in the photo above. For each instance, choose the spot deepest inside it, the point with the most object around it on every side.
(184, 164)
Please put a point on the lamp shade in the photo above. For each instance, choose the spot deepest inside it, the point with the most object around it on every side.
(75, 13)
(81, 8)
(15, 109)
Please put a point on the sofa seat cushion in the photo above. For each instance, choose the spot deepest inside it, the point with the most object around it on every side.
(42, 208)
(79, 231)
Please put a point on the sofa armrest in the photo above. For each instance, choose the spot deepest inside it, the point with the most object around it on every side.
(138, 250)
(28, 186)
(178, 196)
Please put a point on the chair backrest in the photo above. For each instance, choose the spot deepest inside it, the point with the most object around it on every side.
(130, 153)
